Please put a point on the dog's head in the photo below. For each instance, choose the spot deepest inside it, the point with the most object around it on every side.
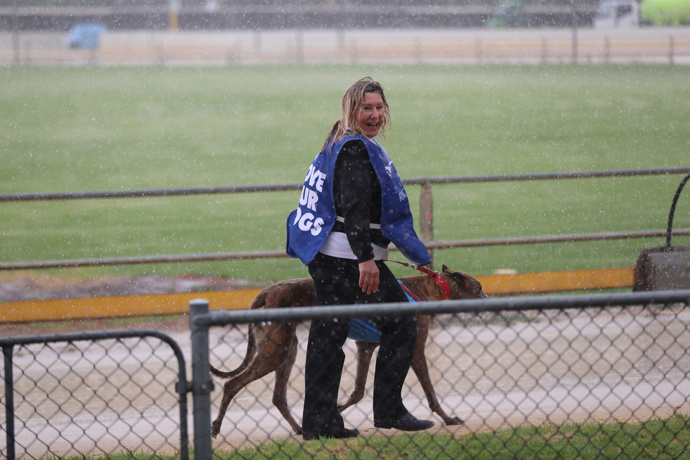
(462, 285)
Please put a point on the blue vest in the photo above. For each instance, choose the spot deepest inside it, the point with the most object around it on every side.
(309, 225)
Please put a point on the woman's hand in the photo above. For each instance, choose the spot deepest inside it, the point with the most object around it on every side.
(369, 276)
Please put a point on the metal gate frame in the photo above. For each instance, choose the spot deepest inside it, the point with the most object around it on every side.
(8, 343)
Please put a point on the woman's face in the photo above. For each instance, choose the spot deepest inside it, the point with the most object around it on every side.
(370, 115)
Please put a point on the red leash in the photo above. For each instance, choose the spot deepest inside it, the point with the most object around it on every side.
(410, 293)
(438, 279)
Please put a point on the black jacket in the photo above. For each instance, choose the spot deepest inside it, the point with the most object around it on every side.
(357, 196)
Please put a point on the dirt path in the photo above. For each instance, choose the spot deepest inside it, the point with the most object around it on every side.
(41, 286)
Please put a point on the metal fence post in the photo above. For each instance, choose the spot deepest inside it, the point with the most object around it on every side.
(9, 401)
(426, 216)
(201, 381)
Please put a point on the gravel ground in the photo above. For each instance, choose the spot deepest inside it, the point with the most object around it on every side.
(43, 287)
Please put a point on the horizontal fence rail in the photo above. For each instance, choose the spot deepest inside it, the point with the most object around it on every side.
(93, 394)
(510, 304)
(573, 376)
(426, 223)
(14, 197)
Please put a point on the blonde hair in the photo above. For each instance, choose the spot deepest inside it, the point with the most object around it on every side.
(352, 103)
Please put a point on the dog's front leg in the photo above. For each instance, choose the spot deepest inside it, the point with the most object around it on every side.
(421, 370)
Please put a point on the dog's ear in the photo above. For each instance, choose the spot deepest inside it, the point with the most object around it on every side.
(446, 269)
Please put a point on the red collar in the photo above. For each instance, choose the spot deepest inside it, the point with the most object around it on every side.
(438, 279)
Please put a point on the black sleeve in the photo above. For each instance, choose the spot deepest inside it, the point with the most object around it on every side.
(354, 183)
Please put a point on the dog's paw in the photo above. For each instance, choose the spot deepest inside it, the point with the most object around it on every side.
(455, 421)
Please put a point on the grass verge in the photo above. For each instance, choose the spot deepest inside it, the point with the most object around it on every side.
(654, 439)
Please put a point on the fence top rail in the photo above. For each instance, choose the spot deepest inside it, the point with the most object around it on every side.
(148, 193)
(225, 317)
(550, 175)
(275, 254)
(58, 10)
(287, 187)
(91, 336)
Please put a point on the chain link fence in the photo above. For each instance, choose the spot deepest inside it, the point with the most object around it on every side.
(439, 46)
(567, 377)
(583, 376)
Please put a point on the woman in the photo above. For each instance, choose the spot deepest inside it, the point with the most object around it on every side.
(353, 204)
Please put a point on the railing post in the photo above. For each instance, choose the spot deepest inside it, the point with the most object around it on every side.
(9, 401)
(478, 51)
(202, 384)
(299, 47)
(426, 216)
(607, 49)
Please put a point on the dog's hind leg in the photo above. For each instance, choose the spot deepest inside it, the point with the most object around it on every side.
(365, 351)
(272, 351)
(280, 390)
(421, 369)
(258, 369)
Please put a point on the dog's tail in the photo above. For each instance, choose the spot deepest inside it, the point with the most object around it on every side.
(251, 351)
(258, 302)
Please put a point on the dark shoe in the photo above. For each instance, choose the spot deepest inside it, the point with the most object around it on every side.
(339, 434)
(407, 422)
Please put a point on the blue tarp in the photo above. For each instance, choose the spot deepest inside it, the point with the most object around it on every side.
(86, 35)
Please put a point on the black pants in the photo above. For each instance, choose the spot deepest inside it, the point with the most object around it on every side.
(337, 283)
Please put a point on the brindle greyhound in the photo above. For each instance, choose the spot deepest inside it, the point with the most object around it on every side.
(273, 347)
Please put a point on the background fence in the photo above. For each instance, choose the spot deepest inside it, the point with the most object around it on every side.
(176, 303)
(348, 46)
(425, 212)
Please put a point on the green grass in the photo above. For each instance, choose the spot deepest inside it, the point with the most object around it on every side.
(113, 128)
(654, 439)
